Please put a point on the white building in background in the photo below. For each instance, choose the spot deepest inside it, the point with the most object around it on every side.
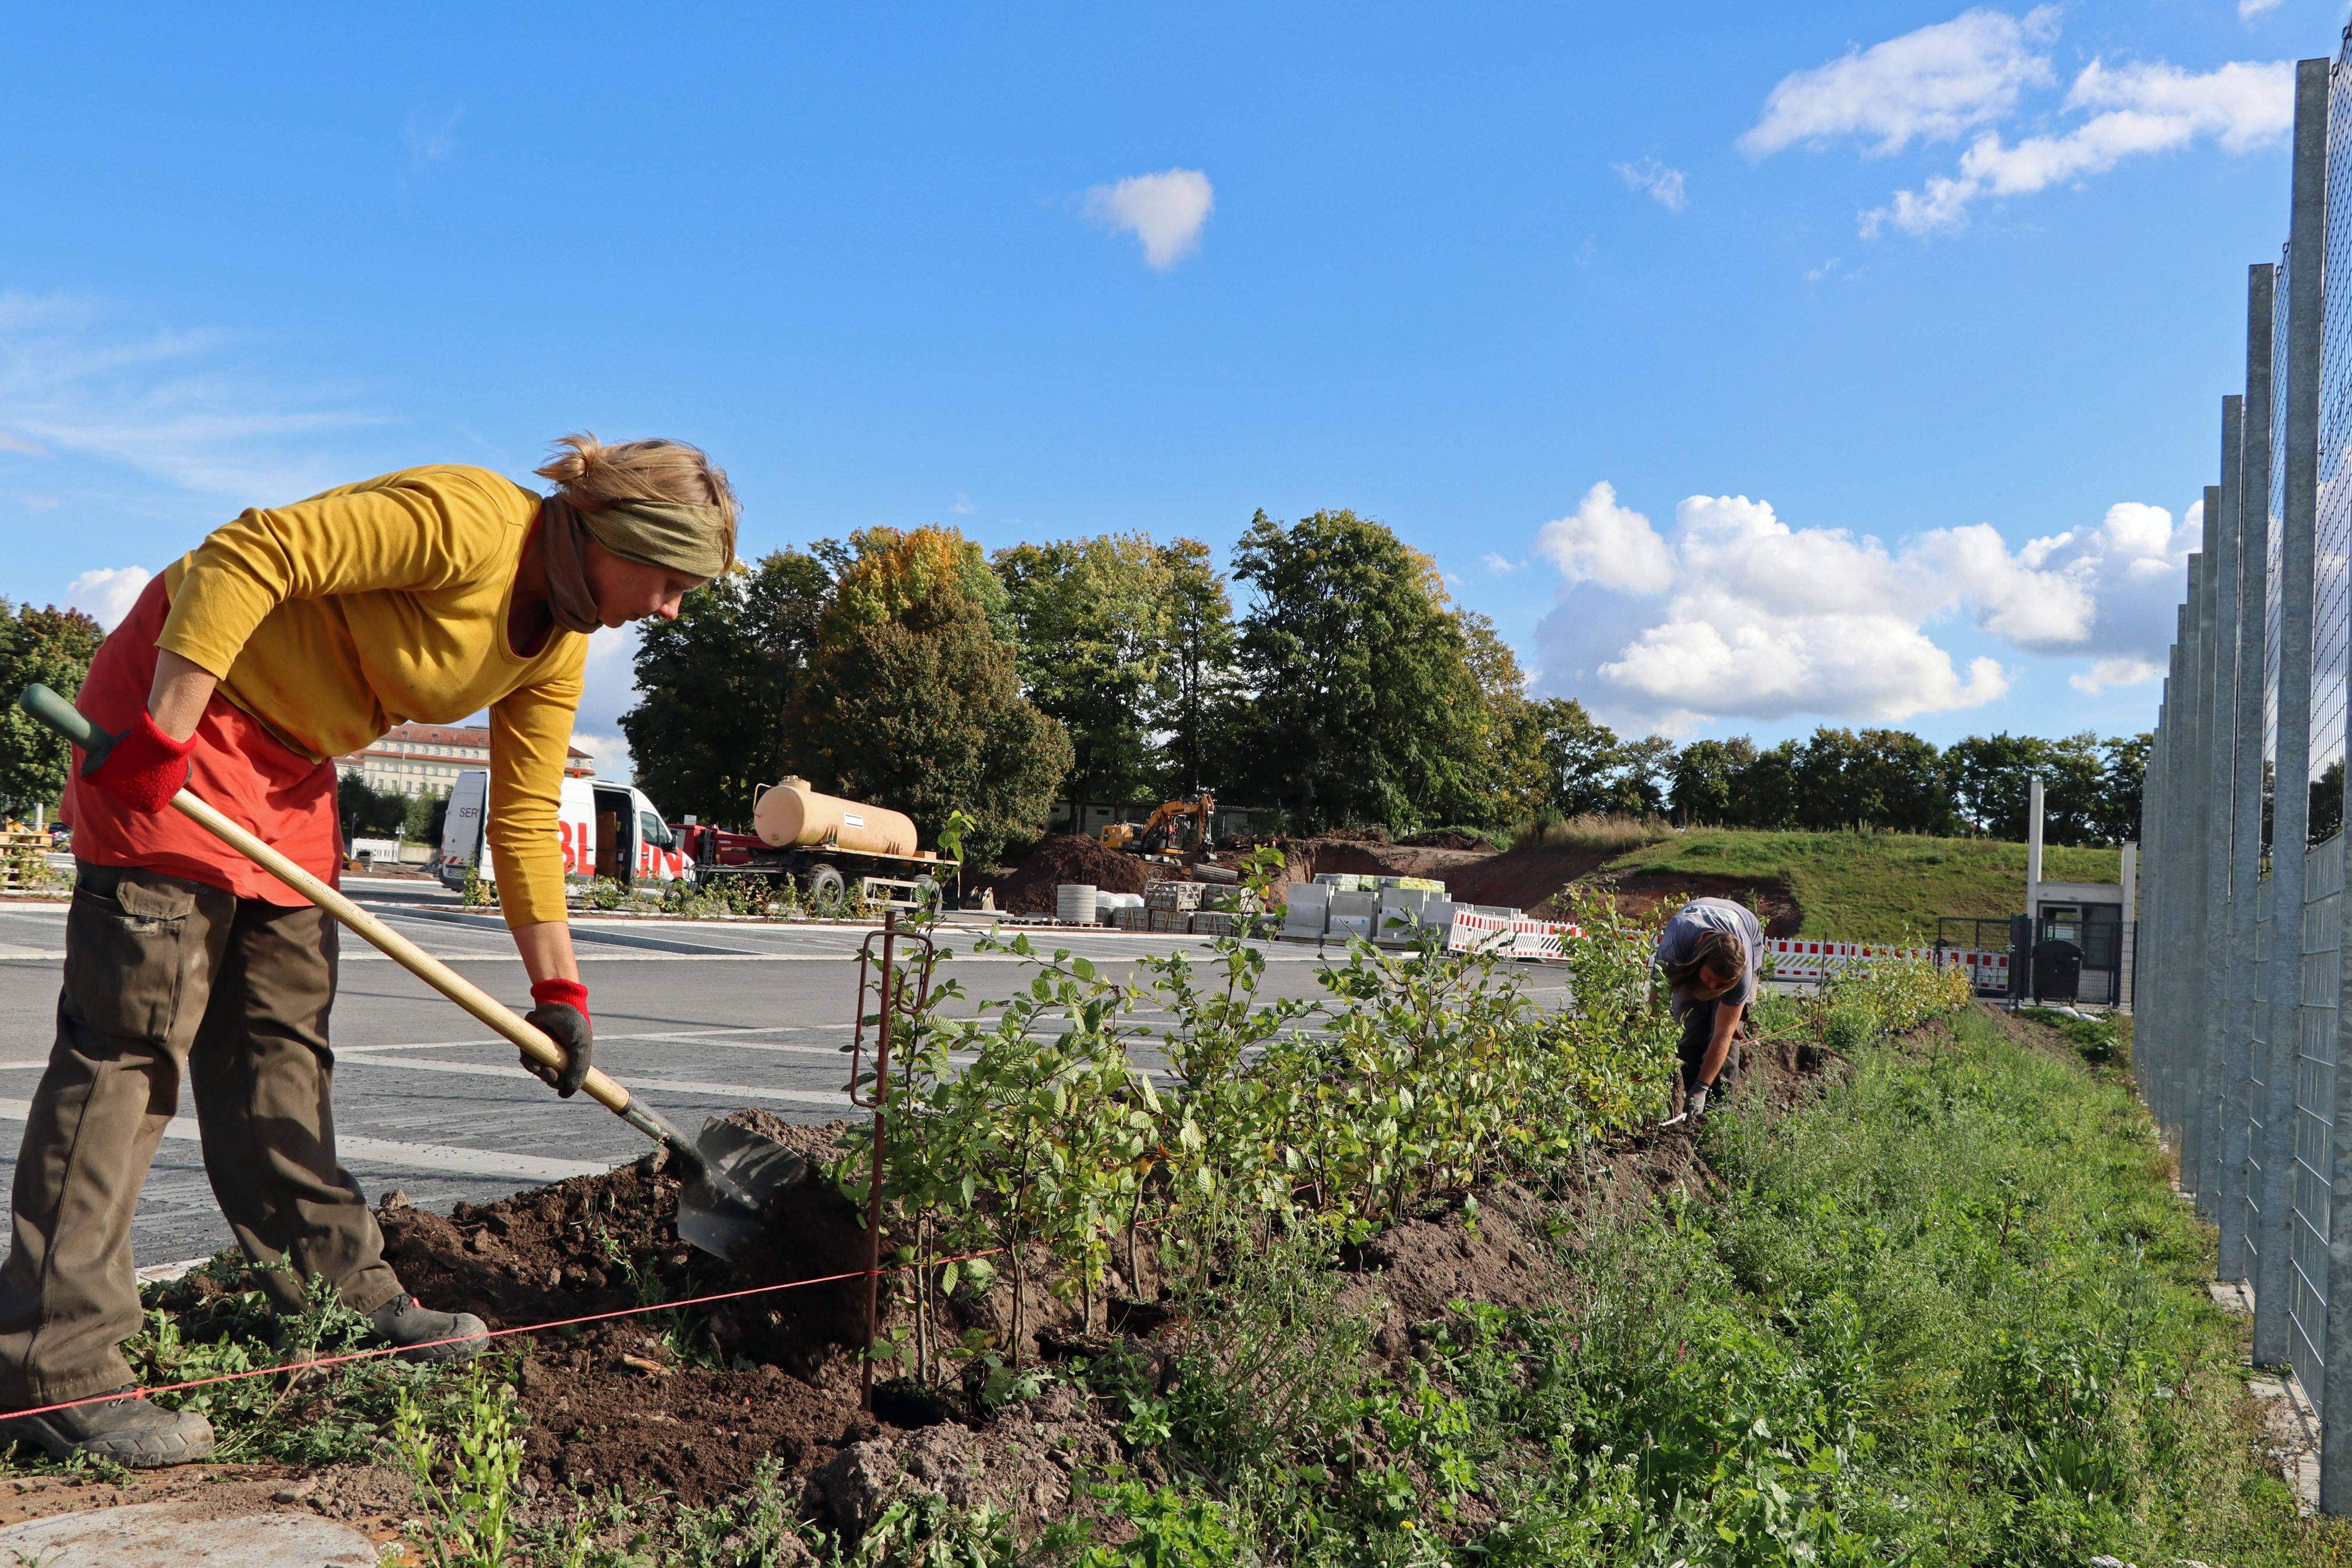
(425, 758)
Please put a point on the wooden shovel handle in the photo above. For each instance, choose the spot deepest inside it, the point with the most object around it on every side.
(532, 1041)
(70, 722)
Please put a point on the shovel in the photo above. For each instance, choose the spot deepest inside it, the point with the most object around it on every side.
(735, 1171)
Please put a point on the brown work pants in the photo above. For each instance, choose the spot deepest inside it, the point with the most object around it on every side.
(164, 976)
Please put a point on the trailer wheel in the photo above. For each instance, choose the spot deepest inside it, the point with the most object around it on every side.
(825, 885)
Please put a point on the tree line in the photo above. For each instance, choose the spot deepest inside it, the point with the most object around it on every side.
(1345, 688)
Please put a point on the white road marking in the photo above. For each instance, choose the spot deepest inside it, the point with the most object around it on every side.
(399, 1156)
(678, 1086)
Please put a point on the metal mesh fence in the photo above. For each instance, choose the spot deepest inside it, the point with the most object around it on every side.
(2274, 575)
(2314, 1119)
(2258, 1086)
(2243, 1004)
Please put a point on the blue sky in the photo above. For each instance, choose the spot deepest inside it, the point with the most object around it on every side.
(1646, 323)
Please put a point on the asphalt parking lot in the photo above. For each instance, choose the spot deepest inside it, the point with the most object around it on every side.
(699, 1017)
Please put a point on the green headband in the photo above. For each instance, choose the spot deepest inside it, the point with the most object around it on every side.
(696, 540)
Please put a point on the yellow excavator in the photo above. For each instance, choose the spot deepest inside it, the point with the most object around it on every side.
(1166, 828)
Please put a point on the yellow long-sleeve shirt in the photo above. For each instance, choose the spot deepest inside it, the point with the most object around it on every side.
(336, 618)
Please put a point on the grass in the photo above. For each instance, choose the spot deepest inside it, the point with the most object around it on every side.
(1873, 887)
(1949, 1313)
(1591, 830)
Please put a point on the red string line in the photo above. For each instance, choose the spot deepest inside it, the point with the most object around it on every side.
(383, 1351)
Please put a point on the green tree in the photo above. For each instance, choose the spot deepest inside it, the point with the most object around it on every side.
(368, 812)
(1094, 620)
(1362, 705)
(1768, 792)
(1708, 779)
(1876, 779)
(1645, 772)
(713, 684)
(1195, 711)
(1582, 758)
(1991, 777)
(879, 573)
(53, 647)
(2123, 768)
(2073, 789)
(922, 712)
(1510, 781)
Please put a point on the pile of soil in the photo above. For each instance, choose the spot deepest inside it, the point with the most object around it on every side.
(1645, 891)
(1532, 878)
(1449, 839)
(1028, 889)
(783, 1380)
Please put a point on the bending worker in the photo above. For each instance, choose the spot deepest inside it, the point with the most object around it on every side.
(1710, 953)
(289, 637)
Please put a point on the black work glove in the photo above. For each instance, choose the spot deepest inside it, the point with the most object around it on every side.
(562, 1016)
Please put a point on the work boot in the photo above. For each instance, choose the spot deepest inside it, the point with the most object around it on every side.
(404, 1321)
(126, 1429)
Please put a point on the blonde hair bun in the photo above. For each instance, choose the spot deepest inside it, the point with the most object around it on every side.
(593, 476)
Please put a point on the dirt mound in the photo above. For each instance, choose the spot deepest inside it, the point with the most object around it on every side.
(1644, 892)
(1028, 889)
(1449, 839)
(691, 1400)
(1526, 878)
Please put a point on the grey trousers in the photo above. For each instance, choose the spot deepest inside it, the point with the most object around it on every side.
(164, 978)
(1699, 1028)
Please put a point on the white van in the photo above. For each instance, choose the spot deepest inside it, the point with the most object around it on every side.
(606, 829)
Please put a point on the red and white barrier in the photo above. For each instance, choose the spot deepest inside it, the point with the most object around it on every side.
(1799, 958)
(1472, 932)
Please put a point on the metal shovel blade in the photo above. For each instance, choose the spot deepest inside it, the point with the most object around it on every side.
(726, 1204)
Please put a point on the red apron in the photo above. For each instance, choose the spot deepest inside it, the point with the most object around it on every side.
(284, 797)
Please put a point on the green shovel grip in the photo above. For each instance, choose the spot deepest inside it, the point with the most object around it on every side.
(66, 720)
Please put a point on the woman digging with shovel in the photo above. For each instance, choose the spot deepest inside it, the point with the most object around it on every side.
(291, 636)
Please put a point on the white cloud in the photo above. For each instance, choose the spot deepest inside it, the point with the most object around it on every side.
(2140, 109)
(1930, 85)
(608, 684)
(2250, 9)
(1165, 211)
(964, 505)
(19, 444)
(1816, 274)
(107, 593)
(609, 755)
(166, 403)
(2114, 672)
(1735, 615)
(1662, 184)
(1500, 565)
(1603, 543)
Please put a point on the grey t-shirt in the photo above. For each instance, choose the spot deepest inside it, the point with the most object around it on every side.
(1680, 939)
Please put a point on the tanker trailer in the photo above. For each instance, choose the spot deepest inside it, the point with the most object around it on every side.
(828, 846)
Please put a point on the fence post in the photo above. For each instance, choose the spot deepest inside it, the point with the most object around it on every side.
(2186, 891)
(2271, 1111)
(2206, 860)
(2224, 980)
(2291, 794)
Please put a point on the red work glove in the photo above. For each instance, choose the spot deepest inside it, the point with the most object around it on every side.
(144, 768)
(562, 1016)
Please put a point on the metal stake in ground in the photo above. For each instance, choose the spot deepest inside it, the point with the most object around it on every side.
(886, 990)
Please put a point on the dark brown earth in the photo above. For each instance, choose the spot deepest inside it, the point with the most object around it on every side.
(1028, 888)
(705, 1393)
